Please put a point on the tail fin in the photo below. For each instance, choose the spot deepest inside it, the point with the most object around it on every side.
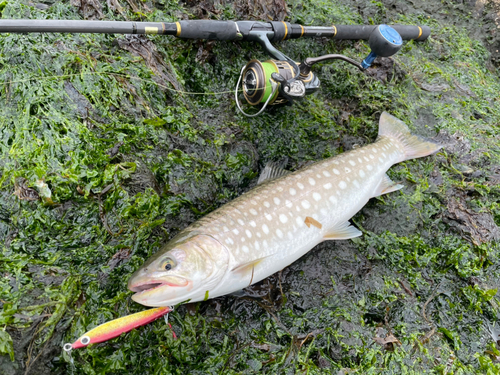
(414, 145)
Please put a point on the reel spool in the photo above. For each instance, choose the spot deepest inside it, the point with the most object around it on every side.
(256, 76)
(263, 83)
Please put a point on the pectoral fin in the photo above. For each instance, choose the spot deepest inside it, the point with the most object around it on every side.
(247, 267)
(387, 186)
(343, 231)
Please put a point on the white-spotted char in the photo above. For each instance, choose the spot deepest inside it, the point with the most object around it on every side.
(277, 222)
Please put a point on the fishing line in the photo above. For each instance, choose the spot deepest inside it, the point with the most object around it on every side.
(44, 78)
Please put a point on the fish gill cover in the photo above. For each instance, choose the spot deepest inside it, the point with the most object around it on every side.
(102, 162)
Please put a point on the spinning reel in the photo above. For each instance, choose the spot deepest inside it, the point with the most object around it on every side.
(283, 80)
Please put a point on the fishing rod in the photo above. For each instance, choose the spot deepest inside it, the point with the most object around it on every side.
(276, 81)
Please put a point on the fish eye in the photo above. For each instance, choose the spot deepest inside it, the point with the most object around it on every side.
(167, 264)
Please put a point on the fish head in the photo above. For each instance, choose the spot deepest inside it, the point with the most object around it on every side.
(183, 270)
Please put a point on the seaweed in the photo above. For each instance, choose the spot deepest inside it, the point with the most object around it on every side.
(110, 146)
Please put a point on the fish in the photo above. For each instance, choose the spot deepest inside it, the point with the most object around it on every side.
(116, 327)
(281, 219)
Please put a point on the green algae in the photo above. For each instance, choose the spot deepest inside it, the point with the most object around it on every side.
(130, 162)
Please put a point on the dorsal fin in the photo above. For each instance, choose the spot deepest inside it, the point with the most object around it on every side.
(271, 171)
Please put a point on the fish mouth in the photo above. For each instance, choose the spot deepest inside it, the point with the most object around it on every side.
(149, 286)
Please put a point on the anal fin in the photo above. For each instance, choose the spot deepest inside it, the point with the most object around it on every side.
(342, 231)
(387, 186)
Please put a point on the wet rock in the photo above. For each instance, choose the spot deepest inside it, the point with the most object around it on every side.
(434, 87)
(112, 152)
(82, 105)
(266, 10)
(477, 227)
(140, 45)
(398, 217)
(385, 69)
(89, 9)
(141, 180)
(23, 192)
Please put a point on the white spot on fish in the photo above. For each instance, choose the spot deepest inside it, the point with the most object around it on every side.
(347, 170)
(336, 171)
(242, 239)
(361, 173)
(269, 216)
(279, 233)
(352, 162)
(264, 243)
(265, 229)
(299, 221)
(359, 160)
(267, 204)
(326, 174)
(293, 191)
(323, 211)
(258, 234)
(288, 203)
(226, 229)
(256, 245)
(252, 223)
(312, 182)
(249, 234)
(229, 241)
(300, 186)
(333, 199)
(384, 155)
(369, 167)
(276, 200)
(318, 175)
(245, 249)
(241, 222)
(253, 202)
(283, 218)
(316, 196)
(356, 183)
(381, 160)
(327, 186)
(342, 185)
(374, 150)
(253, 212)
(306, 204)
(289, 234)
(364, 157)
(371, 156)
(236, 231)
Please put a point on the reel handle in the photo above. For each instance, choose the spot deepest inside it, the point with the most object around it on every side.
(384, 41)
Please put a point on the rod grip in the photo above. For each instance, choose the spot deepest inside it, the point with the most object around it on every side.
(207, 29)
(363, 32)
